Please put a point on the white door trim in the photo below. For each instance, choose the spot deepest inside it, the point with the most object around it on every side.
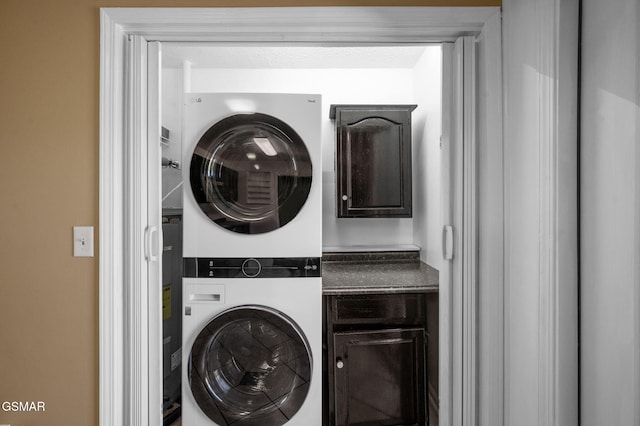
(112, 222)
(123, 267)
(540, 56)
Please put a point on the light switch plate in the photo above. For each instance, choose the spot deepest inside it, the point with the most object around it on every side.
(83, 241)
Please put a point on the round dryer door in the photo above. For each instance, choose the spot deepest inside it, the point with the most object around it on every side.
(251, 173)
(250, 364)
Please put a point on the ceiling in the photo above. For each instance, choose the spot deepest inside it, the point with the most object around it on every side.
(275, 57)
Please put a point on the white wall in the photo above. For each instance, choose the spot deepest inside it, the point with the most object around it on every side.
(610, 213)
(402, 86)
(427, 126)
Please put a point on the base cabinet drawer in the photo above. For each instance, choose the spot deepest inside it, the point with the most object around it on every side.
(404, 309)
(379, 377)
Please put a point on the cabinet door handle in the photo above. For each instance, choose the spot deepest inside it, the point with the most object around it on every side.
(339, 363)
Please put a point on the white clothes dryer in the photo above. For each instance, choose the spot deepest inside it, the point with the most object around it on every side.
(252, 342)
(252, 174)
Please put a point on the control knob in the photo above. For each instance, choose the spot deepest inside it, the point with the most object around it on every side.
(251, 268)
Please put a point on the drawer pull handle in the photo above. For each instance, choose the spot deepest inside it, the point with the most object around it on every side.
(339, 363)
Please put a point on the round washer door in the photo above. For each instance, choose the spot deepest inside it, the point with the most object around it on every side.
(251, 173)
(250, 363)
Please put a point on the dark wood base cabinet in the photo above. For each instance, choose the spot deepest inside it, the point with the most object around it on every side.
(376, 360)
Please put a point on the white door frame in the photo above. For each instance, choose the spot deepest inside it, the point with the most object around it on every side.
(541, 76)
(126, 233)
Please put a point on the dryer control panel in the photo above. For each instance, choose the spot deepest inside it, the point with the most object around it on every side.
(238, 267)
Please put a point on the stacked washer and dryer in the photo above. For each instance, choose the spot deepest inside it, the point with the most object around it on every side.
(252, 246)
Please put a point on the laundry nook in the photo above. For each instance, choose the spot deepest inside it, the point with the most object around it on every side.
(302, 184)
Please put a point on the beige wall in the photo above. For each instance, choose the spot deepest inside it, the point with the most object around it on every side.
(49, 92)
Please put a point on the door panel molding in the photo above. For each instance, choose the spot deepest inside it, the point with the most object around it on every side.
(136, 347)
(491, 224)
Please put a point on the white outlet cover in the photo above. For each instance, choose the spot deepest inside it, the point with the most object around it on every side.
(83, 241)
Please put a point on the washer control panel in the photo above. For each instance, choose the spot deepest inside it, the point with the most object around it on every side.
(237, 267)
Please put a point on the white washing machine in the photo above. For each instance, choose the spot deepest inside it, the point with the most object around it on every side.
(252, 174)
(252, 341)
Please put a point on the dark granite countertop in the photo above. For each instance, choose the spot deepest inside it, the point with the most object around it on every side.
(376, 272)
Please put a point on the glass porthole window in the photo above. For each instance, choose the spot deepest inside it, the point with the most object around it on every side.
(251, 173)
(250, 365)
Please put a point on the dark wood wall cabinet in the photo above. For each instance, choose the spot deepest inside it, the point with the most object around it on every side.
(373, 160)
(376, 359)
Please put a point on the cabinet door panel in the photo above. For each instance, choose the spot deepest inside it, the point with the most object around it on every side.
(375, 163)
(373, 160)
(380, 377)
